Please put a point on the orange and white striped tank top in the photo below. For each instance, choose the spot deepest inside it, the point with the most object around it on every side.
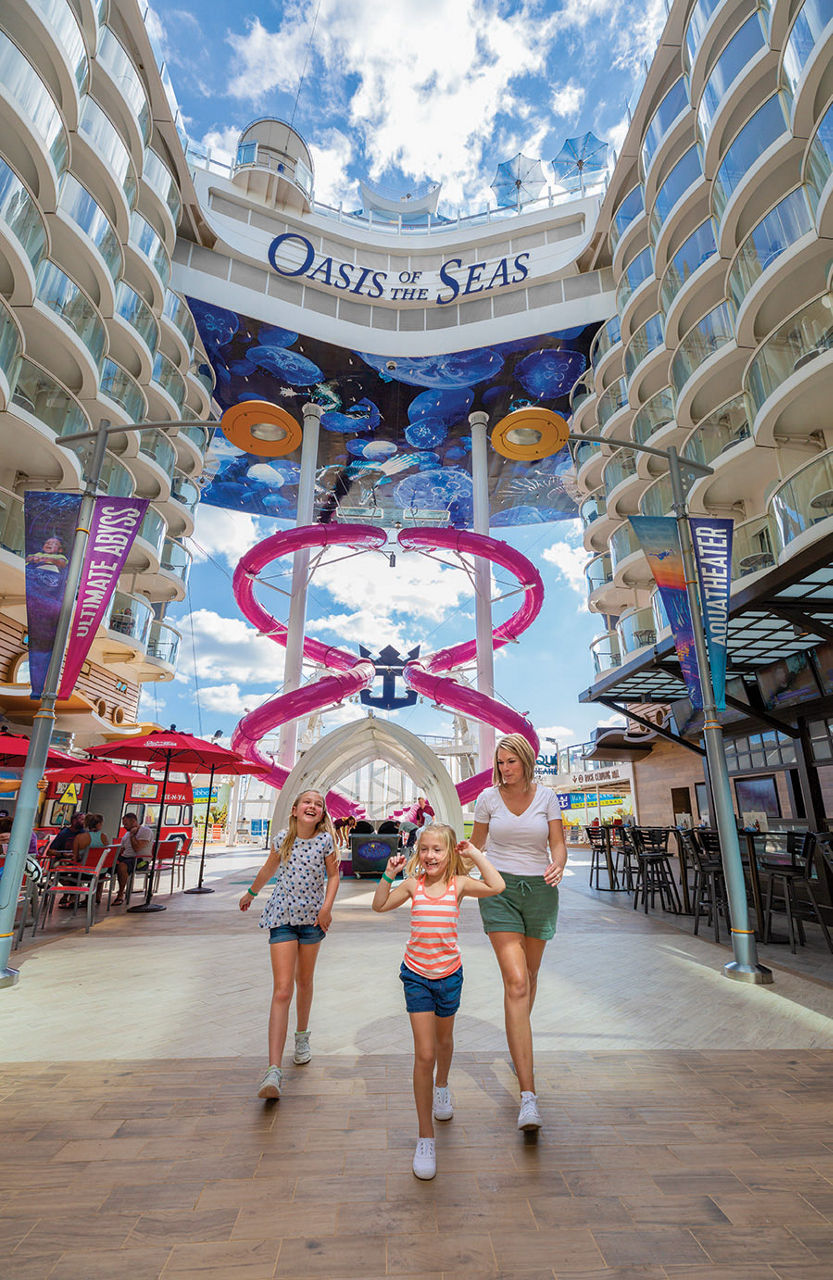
(432, 949)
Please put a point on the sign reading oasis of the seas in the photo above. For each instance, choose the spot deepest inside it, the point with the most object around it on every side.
(455, 280)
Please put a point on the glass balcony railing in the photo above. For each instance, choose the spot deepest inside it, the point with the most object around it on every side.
(606, 338)
(58, 15)
(767, 125)
(11, 522)
(68, 301)
(161, 181)
(136, 312)
(805, 36)
(76, 202)
(176, 560)
(819, 163)
(670, 109)
(130, 617)
(657, 498)
(752, 548)
(747, 41)
(697, 23)
(655, 414)
(792, 346)
(604, 650)
(630, 208)
(198, 436)
(661, 619)
(801, 501)
(580, 392)
(118, 385)
(179, 314)
(185, 492)
(592, 509)
(167, 376)
(204, 374)
(707, 336)
(255, 155)
(101, 135)
(623, 543)
(153, 529)
(619, 468)
(612, 400)
(583, 452)
(11, 346)
(647, 338)
(718, 433)
(38, 393)
(24, 87)
(640, 269)
(163, 642)
(113, 56)
(150, 245)
(156, 445)
(692, 253)
(686, 172)
(21, 215)
(115, 480)
(636, 630)
(598, 573)
(782, 227)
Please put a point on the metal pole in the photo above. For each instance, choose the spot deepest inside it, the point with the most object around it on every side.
(148, 905)
(28, 795)
(745, 966)
(294, 660)
(200, 887)
(479, 421)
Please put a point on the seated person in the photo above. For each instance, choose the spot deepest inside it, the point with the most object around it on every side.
(65, 838)
(5, 833)
(136, 844)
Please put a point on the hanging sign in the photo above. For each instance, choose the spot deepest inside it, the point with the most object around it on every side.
(657, 535)
(49, 529)
(114, 526)
(713, 552)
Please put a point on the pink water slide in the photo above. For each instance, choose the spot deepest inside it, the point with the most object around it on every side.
(349, 674)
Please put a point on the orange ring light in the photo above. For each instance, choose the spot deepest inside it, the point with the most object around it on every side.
(529, 434)
(256, 426)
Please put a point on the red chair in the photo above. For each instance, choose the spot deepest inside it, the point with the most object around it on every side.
(168, 858)
(79, 881)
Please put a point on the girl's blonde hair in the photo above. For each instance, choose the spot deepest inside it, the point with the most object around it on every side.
(520, 747)
(456, 865)
(324, 824)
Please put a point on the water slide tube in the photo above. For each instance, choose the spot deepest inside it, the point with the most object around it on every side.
(425, 676)
(348, 674)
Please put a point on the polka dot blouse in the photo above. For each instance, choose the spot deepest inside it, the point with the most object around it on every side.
(298, 895)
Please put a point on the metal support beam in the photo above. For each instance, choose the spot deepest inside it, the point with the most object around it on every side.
(479, 422)
(649, 724)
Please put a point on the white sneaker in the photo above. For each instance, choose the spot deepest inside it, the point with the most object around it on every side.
(529, 1117)
(270, 1085)
(443, 1110)
(303, 1053)
(425, 1159)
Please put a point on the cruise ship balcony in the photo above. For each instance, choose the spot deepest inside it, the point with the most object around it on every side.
(274, 164)
(806, 63)
(604, 650)
(163, 648)
(636, 629)
(787, 381)
(800, 509)
(23, 238)
(42, 409)
(630, 568)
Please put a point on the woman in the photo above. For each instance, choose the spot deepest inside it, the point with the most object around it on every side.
(518, 824)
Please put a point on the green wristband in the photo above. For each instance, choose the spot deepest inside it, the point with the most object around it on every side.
(252, 892)
(386, 877)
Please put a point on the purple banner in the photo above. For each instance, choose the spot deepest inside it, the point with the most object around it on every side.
(50, 520)
(659, 540)
(114, 525)
(713, 551)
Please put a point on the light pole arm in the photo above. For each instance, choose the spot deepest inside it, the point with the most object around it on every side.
(699, 468)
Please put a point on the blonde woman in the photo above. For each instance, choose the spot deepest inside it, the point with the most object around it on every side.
(300, 911)
(518, 824)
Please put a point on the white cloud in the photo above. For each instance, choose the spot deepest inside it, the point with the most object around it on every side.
(331, 158)
(229, 650)
(230, 699)
(568, 100)
(614, 721)
(569, 559)
(558, 731)
(221, 144)
(226, 533)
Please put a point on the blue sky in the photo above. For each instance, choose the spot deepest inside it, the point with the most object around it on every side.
(397, 94)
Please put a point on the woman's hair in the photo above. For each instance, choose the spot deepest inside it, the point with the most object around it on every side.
(93, 821)
(5, 826)
(324, 824)
(518, 745)
(456, 865)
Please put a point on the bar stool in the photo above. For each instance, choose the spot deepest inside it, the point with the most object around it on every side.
(600, 858)
(654, 875)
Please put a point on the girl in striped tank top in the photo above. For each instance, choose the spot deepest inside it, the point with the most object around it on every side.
(432, 971)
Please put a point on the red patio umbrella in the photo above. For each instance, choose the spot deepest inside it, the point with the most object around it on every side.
(14, 747)
(234, 766)
(162, 749)
(95, 771)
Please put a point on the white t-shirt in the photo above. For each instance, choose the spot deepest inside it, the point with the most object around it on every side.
(518, 844)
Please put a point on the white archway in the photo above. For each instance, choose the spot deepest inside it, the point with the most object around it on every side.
(359, 743)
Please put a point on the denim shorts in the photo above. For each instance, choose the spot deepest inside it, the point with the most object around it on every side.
(301, 933)
(527, 905)
(432, 995)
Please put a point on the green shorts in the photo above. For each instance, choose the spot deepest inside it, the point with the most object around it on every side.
(528, 905)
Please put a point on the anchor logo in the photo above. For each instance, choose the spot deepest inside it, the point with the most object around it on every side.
(389, 666)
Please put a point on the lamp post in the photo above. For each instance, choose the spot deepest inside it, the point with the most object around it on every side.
(44, 720)
(744, 967)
